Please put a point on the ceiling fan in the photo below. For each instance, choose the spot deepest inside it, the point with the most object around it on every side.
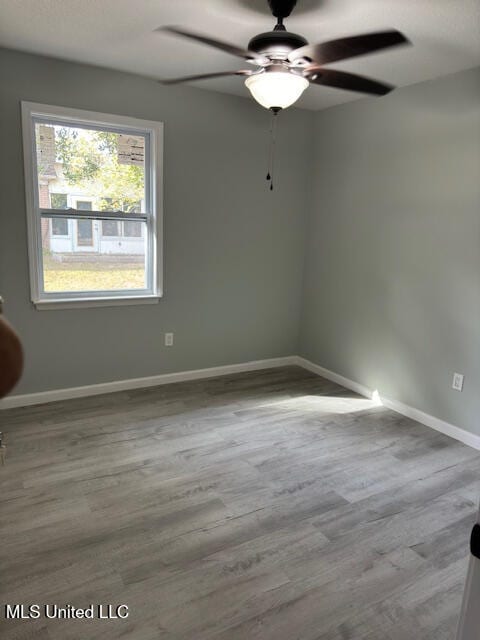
(285, 64)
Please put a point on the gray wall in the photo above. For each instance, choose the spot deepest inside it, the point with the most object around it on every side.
(233, 250)
(392, 279)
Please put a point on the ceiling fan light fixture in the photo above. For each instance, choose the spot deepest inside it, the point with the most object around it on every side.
(278, 89)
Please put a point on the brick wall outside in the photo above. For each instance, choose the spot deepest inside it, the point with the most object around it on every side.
(44, 202)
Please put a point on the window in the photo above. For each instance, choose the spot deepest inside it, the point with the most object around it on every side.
(59, 200)
(126, 229)
(110, 228)
(84, 205)
(93, 186)
(59, 227)
(132, 229)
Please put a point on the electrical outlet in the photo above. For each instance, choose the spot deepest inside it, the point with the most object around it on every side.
(457, 383)
(169, 339)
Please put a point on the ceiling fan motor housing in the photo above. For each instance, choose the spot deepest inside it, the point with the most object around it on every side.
(282, 8)
(277, 43)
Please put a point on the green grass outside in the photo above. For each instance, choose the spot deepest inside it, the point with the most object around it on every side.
(91, 276)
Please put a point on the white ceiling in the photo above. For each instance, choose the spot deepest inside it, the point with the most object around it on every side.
(119, 34)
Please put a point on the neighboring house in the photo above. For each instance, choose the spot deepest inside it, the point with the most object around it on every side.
(66, 235)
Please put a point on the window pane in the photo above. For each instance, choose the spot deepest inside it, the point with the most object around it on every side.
(84, 205)
(87, 260)
(59, 226)
(132, 229)
(58, 201)
(99, 170)
(110, 228)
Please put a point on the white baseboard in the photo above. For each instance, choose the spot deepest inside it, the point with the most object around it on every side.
(27, 399)
(471, 439)
(43, 397)
(468, 438)
(334, 377)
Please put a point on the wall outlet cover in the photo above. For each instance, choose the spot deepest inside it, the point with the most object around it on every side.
(457, 383)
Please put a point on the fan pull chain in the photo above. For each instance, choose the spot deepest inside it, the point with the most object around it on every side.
(271, 155)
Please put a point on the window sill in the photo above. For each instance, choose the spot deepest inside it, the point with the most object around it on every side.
(69, 303)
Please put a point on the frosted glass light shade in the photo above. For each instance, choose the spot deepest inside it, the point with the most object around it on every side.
(276, 88)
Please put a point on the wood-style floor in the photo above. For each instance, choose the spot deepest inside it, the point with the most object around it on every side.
(264, 506)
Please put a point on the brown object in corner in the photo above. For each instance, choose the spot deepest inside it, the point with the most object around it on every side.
(11, 357)
(3, 450)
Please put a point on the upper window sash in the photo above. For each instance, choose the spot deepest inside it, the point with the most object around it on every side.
(82, 123)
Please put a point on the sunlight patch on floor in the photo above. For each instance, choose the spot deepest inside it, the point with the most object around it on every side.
(328, 404)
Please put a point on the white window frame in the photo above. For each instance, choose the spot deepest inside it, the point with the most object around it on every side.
(153, 219)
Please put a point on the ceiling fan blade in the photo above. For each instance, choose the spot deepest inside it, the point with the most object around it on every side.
(205, 76)
(348, 81)
(250, 56)
(348, 47)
